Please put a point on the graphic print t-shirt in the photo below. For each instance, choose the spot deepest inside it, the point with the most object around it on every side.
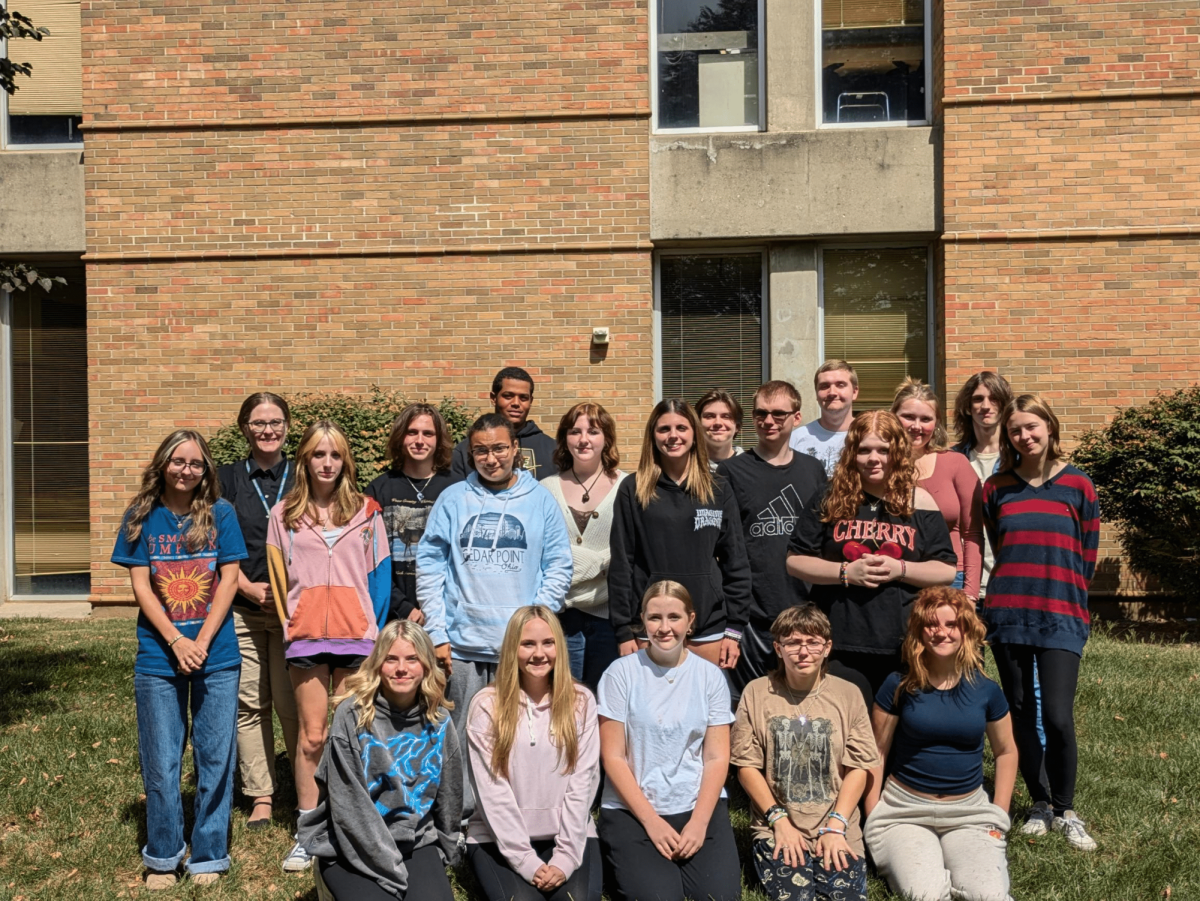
(184, 581)
(817, 441)
(800, 748)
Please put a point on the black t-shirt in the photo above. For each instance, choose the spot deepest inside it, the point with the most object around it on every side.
(871, 620)
(770, 499)
(238, 483)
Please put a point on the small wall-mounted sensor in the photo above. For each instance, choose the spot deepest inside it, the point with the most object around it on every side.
(600, 335)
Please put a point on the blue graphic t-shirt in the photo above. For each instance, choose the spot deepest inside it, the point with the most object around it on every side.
(184, 582)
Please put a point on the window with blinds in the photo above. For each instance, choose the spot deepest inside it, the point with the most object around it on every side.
(49, 435)
(711, 328)
(873, 61)
(876, 316)
(48, 105)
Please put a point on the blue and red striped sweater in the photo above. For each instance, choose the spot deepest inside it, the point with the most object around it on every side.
(1045, 542)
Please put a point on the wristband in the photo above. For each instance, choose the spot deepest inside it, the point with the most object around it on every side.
(775, 814)
(171, 643)
(845, 580)
(834, 815)
(733, 634)
(824, 831)
(903, 569)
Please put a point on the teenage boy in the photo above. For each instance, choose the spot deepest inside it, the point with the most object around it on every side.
(836, 383)
(773, 484)
(512, 396)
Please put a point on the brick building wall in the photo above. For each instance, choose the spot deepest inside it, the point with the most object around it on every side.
(1072, 204)
(326, 196)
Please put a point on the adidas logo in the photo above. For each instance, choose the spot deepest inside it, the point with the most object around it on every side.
(779, 516)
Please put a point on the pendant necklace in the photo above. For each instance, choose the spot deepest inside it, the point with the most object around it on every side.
(810, 695)
(875, 504)
(420, 491)
(587, 489)
(667, 672)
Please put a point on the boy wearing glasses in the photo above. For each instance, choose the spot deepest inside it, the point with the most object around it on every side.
(772, 484)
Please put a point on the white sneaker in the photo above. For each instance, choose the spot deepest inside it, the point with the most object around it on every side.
(298, 860)
(1074, 832)
(1041, 817)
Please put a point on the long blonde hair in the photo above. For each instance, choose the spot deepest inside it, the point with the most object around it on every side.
(845, 488)
(697, 479)
(204, 495)
(363, 684)
(347, 499)
(968, 662)
(915, 389)
(564, 695)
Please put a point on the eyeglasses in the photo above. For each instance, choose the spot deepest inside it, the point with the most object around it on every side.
(499, 451)
(261, 425)
(795, 645)
(777, 415)
(181, 464)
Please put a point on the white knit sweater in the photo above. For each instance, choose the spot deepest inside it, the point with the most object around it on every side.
(590, 552)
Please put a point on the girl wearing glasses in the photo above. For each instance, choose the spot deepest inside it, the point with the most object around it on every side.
(677, 520)
(869, 546)
(932, 831)
(331, 575)
(182, 544)
(253, 486)
(803, 746)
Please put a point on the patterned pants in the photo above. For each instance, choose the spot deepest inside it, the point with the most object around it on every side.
(809, 881)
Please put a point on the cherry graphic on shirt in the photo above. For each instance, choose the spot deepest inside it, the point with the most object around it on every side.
(891, 549)
(852, 550)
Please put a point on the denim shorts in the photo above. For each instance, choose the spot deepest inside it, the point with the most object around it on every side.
(333, 661)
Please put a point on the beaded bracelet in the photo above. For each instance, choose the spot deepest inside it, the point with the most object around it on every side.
(775, 814)
(903, 569)
(824, 831)
(845, 580)
(834, 815)
(171, 643)
(733, 634)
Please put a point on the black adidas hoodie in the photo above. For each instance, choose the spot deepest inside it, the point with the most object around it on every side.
(698, 545)
(537, 454)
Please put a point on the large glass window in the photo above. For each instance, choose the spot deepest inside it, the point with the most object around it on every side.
(707, 56)
(47, 107)
(873, 61)
(876, 316)
(711, 326)
(49, 437)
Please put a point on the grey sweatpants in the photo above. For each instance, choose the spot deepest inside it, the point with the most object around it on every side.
(468, 679)
(940, 850)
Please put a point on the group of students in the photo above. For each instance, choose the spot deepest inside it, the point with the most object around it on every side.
(499, 621)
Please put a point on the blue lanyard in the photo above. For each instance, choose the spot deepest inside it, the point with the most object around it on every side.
(282, 484)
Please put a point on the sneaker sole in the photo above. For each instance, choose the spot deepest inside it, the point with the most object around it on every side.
(296, 868)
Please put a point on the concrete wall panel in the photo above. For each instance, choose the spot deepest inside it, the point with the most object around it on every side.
(41, 203)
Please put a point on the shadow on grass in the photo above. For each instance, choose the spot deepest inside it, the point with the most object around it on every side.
(30, 676)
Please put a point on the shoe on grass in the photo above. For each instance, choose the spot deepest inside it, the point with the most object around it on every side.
(205, 878)
(1041, 817)
(156, 882)
(1074, 832)
(298, 860)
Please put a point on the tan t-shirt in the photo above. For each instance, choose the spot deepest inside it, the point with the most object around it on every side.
(804, 749)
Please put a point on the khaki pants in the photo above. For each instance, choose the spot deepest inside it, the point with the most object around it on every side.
(264, 683)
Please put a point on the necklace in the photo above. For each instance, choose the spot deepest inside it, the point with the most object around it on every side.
(811, 695)
(587, 489)
(420, 491)
(875, 506)
(180, 518)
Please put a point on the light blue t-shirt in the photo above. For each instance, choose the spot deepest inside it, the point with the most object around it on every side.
(665, 723)
(184, 582)
(817, 441)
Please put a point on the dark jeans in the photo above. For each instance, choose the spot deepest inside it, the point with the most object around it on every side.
(501, 883)
(642, 874)
(1049, 772)
(867, 671)
(427, 879)
(810, 880)
(757, 659)
(591, 645)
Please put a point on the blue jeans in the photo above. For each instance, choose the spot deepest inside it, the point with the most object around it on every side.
(591, 645)
(162, 718)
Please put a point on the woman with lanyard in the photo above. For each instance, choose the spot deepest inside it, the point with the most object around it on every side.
(253, 486)
(872, 542)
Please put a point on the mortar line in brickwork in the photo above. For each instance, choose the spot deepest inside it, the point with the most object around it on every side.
(324, 122)
(337, 253)
(1026, 235)
(1099, 95)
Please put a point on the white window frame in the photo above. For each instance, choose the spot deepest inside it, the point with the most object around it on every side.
(6, 142)
(716, 129)
(819, 80)
(930, 283)
(656, 327)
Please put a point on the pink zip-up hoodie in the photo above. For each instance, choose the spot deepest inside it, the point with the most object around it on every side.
(331, 599)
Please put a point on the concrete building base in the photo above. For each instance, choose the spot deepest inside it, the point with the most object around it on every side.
(46, 610)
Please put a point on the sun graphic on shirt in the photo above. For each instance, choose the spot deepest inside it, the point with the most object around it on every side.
(181, 589)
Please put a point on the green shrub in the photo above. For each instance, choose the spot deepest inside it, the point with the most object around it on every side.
(1146, 466)
(367, 422)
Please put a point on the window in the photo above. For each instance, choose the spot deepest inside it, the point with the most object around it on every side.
(873, 55)
(47, 108)
(876, 316)
(48, 437)
(707, 64)
(711, 327)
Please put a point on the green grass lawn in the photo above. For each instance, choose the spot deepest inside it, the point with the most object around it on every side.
(72, 819)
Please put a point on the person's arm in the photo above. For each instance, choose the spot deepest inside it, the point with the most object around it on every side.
(970, 525)
(189, 655)
(991, 512)
(379, 558)
(716, 768)
(883, 724)
(400, 605)
(622, 605)
(624, 783)
(571, 841)
(433, 559)
(221, 602)
(938, 563)
(1004, 750)
(231, 550)
(1089, 523)
(735, 576)
(276, 548)
(557, 564)
(833, 849)
(448, 802)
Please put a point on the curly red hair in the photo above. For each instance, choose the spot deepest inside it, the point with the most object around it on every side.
(845, 489)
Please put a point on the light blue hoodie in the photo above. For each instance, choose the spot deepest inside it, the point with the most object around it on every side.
(486, 553)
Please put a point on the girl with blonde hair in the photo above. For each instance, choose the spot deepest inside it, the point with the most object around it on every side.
(534, 750)
(331, 573)
(390, 779)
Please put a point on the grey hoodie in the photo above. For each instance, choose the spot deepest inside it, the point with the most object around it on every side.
(386, 792)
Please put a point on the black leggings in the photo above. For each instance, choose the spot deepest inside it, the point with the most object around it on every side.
(427, 879)
(501, 883)
(1049, 774)
(642, 874)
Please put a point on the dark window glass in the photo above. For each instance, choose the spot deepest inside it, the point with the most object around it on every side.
(873, 60)
(707, 63)
(44, 130)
